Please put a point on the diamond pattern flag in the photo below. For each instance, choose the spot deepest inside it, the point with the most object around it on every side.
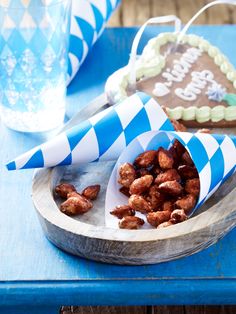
(87, 23)
(102, 137)
(214, 156)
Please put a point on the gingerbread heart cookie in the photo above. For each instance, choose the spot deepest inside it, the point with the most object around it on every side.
(191, 78)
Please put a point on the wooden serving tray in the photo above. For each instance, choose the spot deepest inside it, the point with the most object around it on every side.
(87, 236)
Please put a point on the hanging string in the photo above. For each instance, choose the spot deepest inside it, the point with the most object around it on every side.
(133, 54)
(160, 20)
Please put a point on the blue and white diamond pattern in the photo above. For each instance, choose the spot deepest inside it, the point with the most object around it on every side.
(215, 158)
(36, 35)
(32, 41)
(87, 23)
(102, 137)
(117, 133)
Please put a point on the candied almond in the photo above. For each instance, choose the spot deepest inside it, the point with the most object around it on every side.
(142, 172)
(165, 224)
(122, 211)
(73, 194)
(186, 203)
(91, 192)
(127, 174)
(178, 215)
(168, 175)
(140, 185)
(138, 203)
(176, 158)
(170, 187)
(155, 198)
(156, 218)
(165, 159)
(76, 205)
(186, 159)
(131, 222)
(168, 205)
(206, 131)
(192, 186)
(64, 188)
(187, 172)
(124, 191)
(179, 127)
(146, 159)
(179, 148)
(155, 170)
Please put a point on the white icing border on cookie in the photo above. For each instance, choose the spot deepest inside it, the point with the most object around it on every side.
(151, 63)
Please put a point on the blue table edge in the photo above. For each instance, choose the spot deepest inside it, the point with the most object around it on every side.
(144, 292)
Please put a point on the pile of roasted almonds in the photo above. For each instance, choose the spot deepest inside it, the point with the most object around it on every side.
(76, 203)
(162, 184)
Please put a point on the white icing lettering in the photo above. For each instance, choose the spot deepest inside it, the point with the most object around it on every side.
(171, 78)
(181, 67)
(193, 89)
(188, 58)
(160, 90)
(169, 84)
(199, 81)
(180, 74)
(186, 66)
(209, 76)
(192, 54)
(185, 94)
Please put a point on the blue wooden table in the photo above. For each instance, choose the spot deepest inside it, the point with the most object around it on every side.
(35, 273)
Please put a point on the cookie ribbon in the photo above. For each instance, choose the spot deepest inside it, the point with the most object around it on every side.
(134, 48)
(177, 29)
(102, 137)
(214, 156)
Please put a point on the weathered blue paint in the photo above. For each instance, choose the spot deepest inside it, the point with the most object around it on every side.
(119, 292)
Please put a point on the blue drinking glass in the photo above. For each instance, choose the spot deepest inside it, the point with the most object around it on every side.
(34, 36)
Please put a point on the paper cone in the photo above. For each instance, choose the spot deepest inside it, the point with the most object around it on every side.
(102, 137)
(88, 20)
(213, 155)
